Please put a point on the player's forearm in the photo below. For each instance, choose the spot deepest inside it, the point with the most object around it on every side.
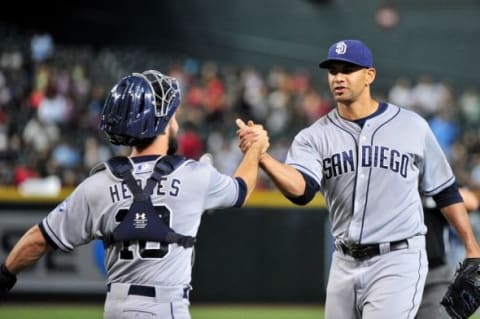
(457, 215)
(287, 179)
(30, 248)
(248, 169)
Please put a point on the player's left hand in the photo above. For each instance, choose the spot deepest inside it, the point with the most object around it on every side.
(7, 280)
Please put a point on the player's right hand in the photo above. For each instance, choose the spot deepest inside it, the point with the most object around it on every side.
(252, 134)
(7, 280)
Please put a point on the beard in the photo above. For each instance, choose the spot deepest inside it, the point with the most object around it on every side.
(172, 145)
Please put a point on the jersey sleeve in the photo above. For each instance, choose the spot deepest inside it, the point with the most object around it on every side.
(223, 190)
(304, 156)
(436, 174)
(69, 224)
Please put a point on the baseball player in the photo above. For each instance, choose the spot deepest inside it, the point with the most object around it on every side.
(146, 207)
(439, 270)
(369, 159)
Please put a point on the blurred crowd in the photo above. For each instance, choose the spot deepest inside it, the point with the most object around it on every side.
(50, 100)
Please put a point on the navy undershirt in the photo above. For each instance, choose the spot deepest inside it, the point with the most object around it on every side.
(448, 196)
(382, 106)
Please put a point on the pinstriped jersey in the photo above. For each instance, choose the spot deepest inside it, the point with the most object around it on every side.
(370, 176)
(92, 211)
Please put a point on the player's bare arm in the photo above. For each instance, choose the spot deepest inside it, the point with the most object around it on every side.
(30, 248)
(287, 179)
(457, 215)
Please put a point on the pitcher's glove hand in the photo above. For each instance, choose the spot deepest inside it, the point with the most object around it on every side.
(7, 280)
(463, 295)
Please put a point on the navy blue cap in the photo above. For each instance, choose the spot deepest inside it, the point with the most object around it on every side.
(352, 51)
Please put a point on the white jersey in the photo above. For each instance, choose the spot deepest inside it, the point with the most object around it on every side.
(354, 166)
(92, 212)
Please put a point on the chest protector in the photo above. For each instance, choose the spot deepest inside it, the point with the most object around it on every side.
(142, 220)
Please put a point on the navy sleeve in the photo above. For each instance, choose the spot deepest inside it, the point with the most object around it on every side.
(448, 196)
(242, 192)
(311, 188)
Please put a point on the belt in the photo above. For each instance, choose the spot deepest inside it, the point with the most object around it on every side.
(148, 291)
(363, 252)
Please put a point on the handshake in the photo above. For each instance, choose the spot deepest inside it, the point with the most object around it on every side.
(252, 136)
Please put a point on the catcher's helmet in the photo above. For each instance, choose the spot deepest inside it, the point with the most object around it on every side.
(139, 107)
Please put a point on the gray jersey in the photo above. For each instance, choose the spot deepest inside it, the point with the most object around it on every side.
(395, 151)
(90, 212)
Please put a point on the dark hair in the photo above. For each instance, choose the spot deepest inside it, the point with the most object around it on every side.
(142, 144)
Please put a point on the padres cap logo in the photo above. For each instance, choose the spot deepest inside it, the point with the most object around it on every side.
(341, 47)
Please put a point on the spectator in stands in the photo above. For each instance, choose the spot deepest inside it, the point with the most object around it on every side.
(470, 106)
(54, 107)
(281, 99)
(424, 96)
(445, 129)
(190, 142)
(40, 135)
(401, 93)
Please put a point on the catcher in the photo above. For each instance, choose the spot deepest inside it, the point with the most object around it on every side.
(149, 228)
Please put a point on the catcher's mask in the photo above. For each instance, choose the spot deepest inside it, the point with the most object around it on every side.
(139, 107)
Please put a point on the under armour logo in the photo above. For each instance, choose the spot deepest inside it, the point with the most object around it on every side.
(140, 216)
(341, 47)
(140, 220)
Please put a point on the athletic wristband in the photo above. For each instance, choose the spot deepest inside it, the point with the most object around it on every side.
(6, 272)
(7, 279)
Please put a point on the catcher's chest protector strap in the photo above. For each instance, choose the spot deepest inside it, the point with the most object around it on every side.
(143, 221)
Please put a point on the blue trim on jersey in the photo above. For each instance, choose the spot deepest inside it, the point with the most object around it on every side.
(430, 192)
(47, 238)
(418, 282)
(370, 175)
(343, 129)
(64, 247)
(171, 310)
(311, 188)
(242, 192)
(357, 161)
(382, 107)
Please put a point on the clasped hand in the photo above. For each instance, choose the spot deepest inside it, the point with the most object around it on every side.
(252, 135)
